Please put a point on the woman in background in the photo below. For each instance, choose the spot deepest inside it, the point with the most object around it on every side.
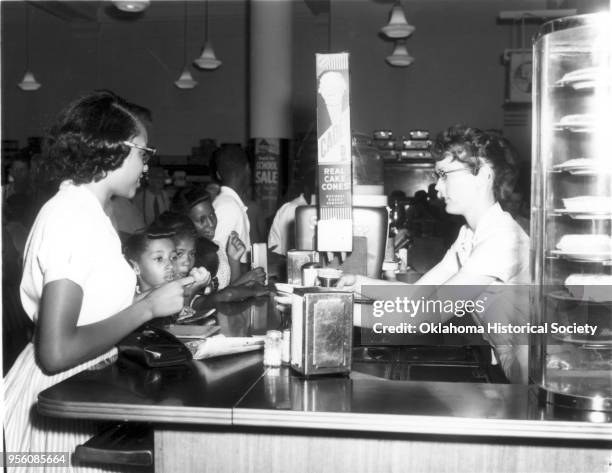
(76, 286)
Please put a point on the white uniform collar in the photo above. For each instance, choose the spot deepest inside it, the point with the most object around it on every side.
(89, 198)
(487, 220)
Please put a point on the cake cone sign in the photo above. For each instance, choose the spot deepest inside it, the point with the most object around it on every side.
(334, 228)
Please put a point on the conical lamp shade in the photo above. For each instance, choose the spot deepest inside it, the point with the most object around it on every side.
(207, 59)
(185, 81)
(28, 82)
(398, 27)
(133, 6)
(400, 57)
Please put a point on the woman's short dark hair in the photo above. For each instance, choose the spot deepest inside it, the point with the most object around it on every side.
(470, 145)
(87, 138)
(189, 197)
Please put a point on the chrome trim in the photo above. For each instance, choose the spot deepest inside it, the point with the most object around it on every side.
(423, 424)
(575, 401)
(127, 412)
(568, 22)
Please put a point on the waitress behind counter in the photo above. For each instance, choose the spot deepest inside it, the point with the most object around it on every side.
(475, 170)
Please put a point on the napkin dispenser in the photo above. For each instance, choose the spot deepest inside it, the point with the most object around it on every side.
(321, 331)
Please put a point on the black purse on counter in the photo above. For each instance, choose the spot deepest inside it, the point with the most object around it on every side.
(153, 347)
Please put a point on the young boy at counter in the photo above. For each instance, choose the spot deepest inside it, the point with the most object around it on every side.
(196, 203)
(474, 172)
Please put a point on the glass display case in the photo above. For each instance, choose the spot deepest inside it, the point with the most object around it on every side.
(571, 230)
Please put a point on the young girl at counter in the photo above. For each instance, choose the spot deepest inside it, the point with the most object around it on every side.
(154, 258)
(197, 256)
(77, 287)
(184, 236)
(474, 172)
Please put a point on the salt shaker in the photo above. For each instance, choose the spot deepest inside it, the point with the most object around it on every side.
(273, 345)
(286, 349)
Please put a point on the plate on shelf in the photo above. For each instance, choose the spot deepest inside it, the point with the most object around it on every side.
(580, 215)
(587, 257)
(584, 341)
(588, 203)
(584, 166)
(578, 123)
(566, 296)
(585, 78)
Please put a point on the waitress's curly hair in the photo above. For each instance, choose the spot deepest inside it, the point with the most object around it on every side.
(472, 146)
(87, 138)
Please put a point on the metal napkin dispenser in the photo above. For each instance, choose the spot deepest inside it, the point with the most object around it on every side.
(321, 331)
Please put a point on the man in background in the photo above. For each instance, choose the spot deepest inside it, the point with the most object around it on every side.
(152, 200)
(233, 171)
(282, 232)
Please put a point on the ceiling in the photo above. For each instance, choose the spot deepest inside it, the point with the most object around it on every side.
(104, 11)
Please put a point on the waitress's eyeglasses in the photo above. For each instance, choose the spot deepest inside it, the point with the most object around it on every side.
(147, 151)
(441, 175)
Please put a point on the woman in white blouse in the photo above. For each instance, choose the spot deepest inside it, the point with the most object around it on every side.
(76, 285)
(475, 170)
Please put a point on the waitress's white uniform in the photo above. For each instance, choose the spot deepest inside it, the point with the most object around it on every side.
(498, 248)
(72, 238)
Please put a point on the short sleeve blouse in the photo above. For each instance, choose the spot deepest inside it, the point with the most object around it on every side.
(73, 238)
(498, 247)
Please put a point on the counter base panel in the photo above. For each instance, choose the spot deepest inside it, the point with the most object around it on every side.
(259, 451)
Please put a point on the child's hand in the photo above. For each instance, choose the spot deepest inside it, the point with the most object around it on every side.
(200, 275)
(235, 247)
(201, 278)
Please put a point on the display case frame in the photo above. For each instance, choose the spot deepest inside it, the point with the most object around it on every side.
(571, 229)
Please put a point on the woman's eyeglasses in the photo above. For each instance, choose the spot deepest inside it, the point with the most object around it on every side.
(147, 151)
(441, 175)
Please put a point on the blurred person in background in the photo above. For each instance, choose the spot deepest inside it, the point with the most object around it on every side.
(282, 232)
(152, 200)
(231, 212)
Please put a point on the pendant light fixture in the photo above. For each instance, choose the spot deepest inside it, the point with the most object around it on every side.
(133, 6)
(400, 56)
(207, 59)
(185, 81)
(397, 27)
(28, 83)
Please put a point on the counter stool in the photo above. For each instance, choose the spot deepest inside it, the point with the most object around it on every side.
(125, 443)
